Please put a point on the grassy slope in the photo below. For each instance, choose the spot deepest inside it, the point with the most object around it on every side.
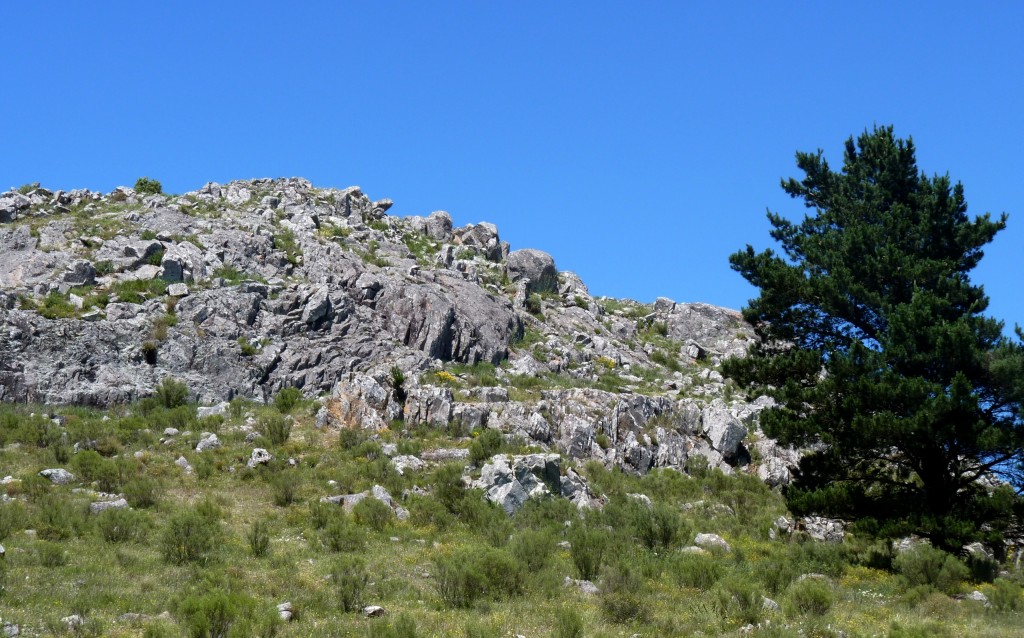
(652, 589)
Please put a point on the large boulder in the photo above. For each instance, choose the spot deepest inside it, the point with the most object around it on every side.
(536, 267)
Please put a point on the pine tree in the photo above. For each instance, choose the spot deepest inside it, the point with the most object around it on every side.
(875, 348)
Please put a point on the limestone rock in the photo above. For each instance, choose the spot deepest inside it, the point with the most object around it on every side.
(536, 267)
(711, 541)
(102, 506)
(58, 476)
(259, 456)
(209, 442)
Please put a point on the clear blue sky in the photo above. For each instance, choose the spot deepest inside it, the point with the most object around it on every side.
(639, 143)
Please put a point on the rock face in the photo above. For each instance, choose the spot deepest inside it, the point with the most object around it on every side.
(245, 288)
(536, 267)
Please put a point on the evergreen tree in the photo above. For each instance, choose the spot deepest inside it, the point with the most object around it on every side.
(875, 348)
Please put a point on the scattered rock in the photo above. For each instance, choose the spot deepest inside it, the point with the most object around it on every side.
(221, 409)
(208, 442)
(711, 541)
(979, 597)
(102, 506)
(373, 611)
(58, 476)
(286, 611)
(259, 456)
(584, 586)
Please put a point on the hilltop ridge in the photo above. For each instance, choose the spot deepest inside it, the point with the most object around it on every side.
(242, 289)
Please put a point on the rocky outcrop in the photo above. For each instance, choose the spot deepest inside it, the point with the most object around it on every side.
(509, 481)
(244, 288)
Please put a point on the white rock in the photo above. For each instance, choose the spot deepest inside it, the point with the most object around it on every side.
(58, 476)
(102, 506)
(711, 541)
(210, 442)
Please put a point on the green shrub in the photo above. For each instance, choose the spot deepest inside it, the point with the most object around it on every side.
(469, 573)
(448, 486)
(588, 545)
(56, 306)
(926, 630)
(276, 428)
(284, 488)
(12, 518)
(699, 571)
(121, 525)
(658, 527)
(568, 623)
(321, 513)
(89, 465)
(427, 511)
(349, 577)
(259, 539)
(372, 513)
(51, 554)
(171, 393)
(532, 548)
(403, 627)
(143, 491)
(926, 565)
(340, 534)
(147, 186)
(219, 612)
(286, 400)
(58, 518)
(535, 305)
(622, 596)
(1006, 595)
(981, 568)
(485, 446)
(810, 596)
(738, 598)
(190, 537)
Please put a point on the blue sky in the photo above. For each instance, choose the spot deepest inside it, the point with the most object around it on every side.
(639, 143)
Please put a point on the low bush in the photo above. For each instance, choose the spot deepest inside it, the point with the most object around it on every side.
(259, 539)
(659, 527)
(568, 623)
(143, 492)
(90, 466)
(622, 595)
(810, 596)
(372, 513)
(532, 548)
(57, 518)
(12, 518)
(485, 446)
(147, 186)
(699, 571)
(276, 428)
(340, 534)
(171, 393)
(190, 537)
(121, 525)
(403, 627)
(286, 400)
(587, 549)
(469, 573)
(926, 565)
(284, 487)
(51, 554)
(349, 577)
(738, 598)
(1006, 595)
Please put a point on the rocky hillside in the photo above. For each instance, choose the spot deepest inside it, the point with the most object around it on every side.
(250, 287)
